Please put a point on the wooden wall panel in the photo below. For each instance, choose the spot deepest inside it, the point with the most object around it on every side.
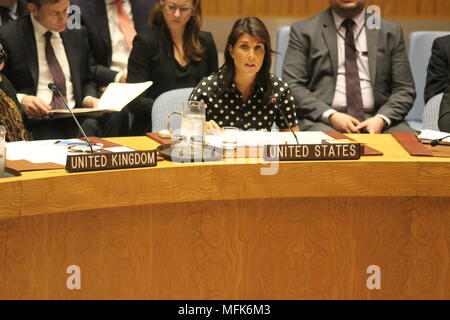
(258, 249)
(415, 9)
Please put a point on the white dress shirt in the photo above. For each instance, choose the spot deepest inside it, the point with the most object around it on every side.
(339, 103)
(12, 13)
(120, 50)
(45, 77)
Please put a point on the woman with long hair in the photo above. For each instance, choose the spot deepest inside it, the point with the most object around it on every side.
(172, 52)
(243, 93)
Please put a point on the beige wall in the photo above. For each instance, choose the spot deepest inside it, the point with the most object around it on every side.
(221, 27)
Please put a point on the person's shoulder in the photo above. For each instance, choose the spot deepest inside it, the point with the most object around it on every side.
(205, 34)
(212, 81)
(313, 21)
(443, 41)
(389, 25)
(12, 27)
(76, 34)
(277, 82)
(150, 34)
(207, 87)
(206, 37)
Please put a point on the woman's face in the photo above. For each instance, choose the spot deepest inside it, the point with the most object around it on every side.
(177, 12)
(248, 54)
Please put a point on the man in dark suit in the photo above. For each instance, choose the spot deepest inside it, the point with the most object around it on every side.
(108, 40)
(10, 10)
(41, 51)
(438, 68)
(346, 76)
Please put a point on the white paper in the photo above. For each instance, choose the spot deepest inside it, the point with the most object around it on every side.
(433, 135)
(46, 151)
(119, 149)
(261, 138)
(40, 151)
(118, 95)
(114, 99)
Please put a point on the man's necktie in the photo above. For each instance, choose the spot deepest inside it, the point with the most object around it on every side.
(57, 73)
(353, 84)
(125, 23)
(5, 14)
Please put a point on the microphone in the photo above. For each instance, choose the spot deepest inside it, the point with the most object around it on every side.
(274, 102)
(54, 88)
(436, 142)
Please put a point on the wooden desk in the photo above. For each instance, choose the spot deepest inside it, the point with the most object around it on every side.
(224, 231)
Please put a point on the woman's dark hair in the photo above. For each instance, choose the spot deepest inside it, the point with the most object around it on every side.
(256, 28)
(192, 47)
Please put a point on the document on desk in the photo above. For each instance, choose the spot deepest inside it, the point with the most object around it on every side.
(430, 135)
(262, 138)
(47, 151)
(114, 99)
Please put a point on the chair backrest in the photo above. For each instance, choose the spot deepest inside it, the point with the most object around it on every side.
(431, 113)
(282, 45)
(419, 52)
(166, 103)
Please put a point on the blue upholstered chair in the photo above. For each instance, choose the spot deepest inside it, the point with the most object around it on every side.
(166, 103)
(282, 45)
(419, 52)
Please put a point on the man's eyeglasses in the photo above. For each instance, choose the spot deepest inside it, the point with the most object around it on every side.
(172, 8)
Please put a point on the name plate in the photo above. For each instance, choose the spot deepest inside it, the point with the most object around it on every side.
(312, 152)
(111, 161)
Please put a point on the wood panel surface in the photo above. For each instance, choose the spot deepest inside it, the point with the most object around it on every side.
(56, 191)
(412, 9)
(248, 249)
(434, 180)
(429, 274)
(10, 197)
(224, 231)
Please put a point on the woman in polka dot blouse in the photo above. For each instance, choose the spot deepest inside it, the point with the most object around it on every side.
(243, 93)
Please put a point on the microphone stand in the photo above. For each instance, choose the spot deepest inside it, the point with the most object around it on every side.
(274, 101)
(436, 142)
(52, 87)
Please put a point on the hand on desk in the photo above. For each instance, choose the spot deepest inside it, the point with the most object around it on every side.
(372, 125)
(35, 107)
(212, 127)
(344, 123)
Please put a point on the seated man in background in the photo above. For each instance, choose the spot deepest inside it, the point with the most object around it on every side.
(41, 51)
(11, 112)
(347, 77)
(444, 113)
(438, 68)
(111, 26)
(10, 10)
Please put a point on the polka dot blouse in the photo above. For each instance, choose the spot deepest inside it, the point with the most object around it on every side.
(228, 108)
